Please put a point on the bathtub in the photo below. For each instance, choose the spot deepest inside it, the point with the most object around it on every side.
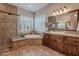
(32, 36)
(28, 36)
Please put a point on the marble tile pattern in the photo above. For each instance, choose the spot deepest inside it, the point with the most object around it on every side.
(7, 25)
(32, 50)
(8, 8)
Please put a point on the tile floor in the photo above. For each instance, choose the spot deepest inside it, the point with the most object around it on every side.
(35, 50)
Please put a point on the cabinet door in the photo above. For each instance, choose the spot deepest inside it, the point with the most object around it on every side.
(71, 46)
(59, 43)
(52, 41)
(45, 42)
(45, 35)
(67, 49)
(70, 49)
(75, 50)
(46, 39)
(53, 44)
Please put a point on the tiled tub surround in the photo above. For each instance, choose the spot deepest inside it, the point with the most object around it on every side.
(19, 43)
(27, 42)
(29, 39)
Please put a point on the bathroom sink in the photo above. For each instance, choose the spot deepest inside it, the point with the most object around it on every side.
(58, 32)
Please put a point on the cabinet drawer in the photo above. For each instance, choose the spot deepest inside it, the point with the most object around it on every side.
(60, 37)
(55, 37)
(72, 40)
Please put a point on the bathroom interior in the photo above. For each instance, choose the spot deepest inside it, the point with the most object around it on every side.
(39, 29)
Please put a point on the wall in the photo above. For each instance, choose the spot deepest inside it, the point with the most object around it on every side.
(48, 10)
(24, 12)
(7, 26)
(8, 8)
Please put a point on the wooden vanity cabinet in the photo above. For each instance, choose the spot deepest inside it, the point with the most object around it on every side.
(53, 41)
(71, 46)
(64, 44)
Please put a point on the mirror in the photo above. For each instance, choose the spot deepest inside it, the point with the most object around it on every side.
(67, 21)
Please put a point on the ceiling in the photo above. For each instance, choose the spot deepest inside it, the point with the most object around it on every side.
(33, 7)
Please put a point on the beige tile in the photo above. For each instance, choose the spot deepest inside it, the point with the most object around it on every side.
(33, 50)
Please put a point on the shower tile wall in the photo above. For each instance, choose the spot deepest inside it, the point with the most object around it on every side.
(7, 26)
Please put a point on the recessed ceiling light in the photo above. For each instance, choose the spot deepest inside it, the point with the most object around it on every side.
(29, 5)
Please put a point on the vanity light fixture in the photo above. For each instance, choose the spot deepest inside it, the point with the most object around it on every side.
(60, 11)
(57, 12)
(54, 12)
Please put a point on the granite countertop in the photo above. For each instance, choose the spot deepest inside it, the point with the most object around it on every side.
(65, 33)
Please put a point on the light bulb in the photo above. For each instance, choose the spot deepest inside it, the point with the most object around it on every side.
(61, 11)
(57, 12)
(54, 12)
(65, 9)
